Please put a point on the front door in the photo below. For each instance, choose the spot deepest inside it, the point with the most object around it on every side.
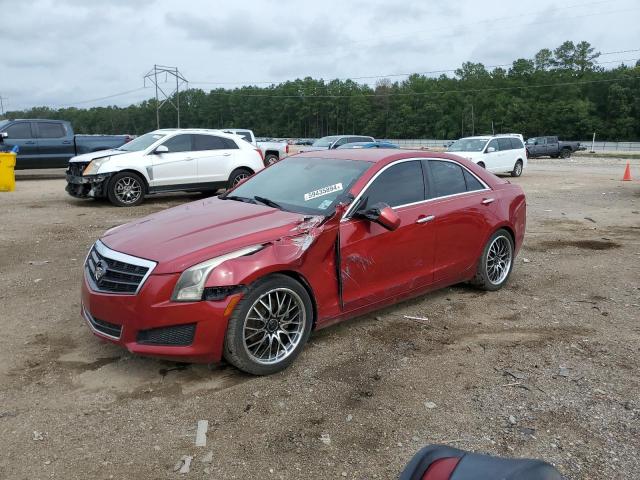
(492, 159)
(174, 168)
(376, 263)
(21, 134)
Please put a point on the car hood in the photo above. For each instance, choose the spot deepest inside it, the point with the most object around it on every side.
(87, 157)
(181, 237)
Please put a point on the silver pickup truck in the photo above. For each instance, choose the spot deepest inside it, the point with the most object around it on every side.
(271, 151)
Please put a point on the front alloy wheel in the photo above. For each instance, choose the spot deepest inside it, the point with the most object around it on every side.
(126, 189)
(269, 326)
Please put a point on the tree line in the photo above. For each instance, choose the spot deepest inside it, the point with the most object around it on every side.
(564, 92)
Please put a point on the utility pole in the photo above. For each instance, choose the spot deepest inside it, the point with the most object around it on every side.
(152, 77)
(2, 105)
(473, 123)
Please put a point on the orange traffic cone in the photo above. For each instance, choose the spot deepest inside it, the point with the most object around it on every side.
(627, 173)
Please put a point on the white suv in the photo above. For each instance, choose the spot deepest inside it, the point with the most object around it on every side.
(163, 161)
(497, 153)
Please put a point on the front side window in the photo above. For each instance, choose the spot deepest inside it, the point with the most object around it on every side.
(400, 184)
(493, 144)
(19, 130)
(179, 143)
(324, 142)
(51, 130)
(303, 185)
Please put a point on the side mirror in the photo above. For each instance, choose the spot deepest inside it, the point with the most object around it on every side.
(161, 149)
(3, 135)
(491, 149)
(383, 215)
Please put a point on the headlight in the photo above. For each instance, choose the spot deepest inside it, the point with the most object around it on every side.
(191, 283)
(94, 166)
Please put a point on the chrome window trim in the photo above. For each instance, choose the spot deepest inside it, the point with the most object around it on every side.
(121, 257)
(349, 213)
(88, 318)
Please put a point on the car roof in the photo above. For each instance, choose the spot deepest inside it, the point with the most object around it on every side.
(374, 155)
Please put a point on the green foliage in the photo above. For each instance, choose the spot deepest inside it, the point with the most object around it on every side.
(557, 92)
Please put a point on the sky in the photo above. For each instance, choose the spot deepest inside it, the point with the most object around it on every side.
(62, 53)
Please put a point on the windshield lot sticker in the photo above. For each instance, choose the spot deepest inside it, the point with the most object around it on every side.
(325, 204)
(322, 191)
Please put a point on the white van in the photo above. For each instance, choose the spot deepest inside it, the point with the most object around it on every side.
(497, 153)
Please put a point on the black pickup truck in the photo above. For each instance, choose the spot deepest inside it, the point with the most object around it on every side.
(551, 147)
(51, 143)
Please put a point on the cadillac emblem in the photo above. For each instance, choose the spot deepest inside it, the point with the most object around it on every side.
(101, 270)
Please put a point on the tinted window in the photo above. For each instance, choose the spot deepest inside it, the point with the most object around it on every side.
(397, 185)
(51, 130)
(229, 144)
(471, 181)
(516, 143)
(342, 141)
(19, 130)
(179, 143)
(494, 144)
(504, 143)
(447, 178)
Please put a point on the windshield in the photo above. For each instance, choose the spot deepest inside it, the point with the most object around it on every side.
(141, 143)
(325, 141)
(467, 145)
(304, 185)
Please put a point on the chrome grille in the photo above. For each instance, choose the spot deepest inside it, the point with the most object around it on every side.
(114, 272)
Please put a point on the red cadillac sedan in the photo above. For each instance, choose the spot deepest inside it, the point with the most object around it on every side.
(310, 241)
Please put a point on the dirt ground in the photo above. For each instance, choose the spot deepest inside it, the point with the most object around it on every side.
(545, 368)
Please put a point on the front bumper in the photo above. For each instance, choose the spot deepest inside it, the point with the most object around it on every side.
(87, 186)
(132, 320)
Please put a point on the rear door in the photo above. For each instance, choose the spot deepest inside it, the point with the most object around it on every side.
(377, 263)
(216, 157)
(21, 134)
(177, 167)
(463, 208)
(55, 144)
(553, 148)
(507, 161)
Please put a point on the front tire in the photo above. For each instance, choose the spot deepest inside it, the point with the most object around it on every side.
(270, 326)
(565, 153)
(517, 169)
(126, 189)
(496, 262)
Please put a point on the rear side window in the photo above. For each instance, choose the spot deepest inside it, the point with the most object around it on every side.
(504, 144)
(179, 143)
(447, 177)
(472, 182)
(211, 142)
(19, 130)
(400, 184)
(230, 144)
(51, 130)
(516, 143)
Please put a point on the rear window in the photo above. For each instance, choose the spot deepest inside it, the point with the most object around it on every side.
(51, 130)
(504, 143)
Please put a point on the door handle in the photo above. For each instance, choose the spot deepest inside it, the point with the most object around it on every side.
(189, 159)
(226, 154)
(487, 201)
(66, 142)
(426, 219)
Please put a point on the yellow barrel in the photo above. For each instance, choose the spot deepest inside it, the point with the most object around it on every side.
(7, 174)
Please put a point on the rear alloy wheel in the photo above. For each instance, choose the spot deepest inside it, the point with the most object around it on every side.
(271, 159)
(517, 169)
(237, 176)
(269, 326)
(565, 153)
(496, 262)
(126, 189)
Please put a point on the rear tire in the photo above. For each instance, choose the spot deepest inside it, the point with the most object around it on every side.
(565, 153)
(517, 169)
(237, 176)
(275, 314)
(270, 159)
(126, 189)
(496, 262)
